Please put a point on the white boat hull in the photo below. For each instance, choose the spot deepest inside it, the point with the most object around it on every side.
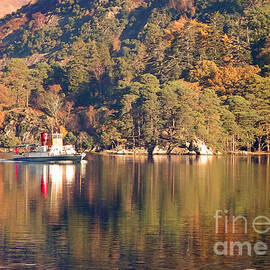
(74, 157)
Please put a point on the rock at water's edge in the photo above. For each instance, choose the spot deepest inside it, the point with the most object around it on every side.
(200, 148)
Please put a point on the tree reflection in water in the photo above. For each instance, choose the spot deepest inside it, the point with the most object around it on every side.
(129, 212)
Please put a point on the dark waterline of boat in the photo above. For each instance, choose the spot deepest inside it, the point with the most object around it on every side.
(126, 212)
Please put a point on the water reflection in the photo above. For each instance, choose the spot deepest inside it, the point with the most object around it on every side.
(44, 181)
(130, 212)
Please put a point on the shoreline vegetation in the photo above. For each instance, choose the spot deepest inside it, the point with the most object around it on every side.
(165, 77)
(142, 151)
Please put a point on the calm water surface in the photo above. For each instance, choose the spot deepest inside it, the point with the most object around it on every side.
(132, 213)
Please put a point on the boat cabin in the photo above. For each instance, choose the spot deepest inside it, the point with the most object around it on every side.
(53, 141)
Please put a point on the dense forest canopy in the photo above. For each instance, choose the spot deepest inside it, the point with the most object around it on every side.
(138, 73)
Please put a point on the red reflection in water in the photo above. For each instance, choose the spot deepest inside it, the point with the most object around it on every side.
(44, 182)
(44, 187)
(16, 171)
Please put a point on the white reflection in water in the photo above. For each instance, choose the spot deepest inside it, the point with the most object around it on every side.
(56, 173)
(204, 159)
(45, 172)
(83, 168)
(56, 178)
(70, 173)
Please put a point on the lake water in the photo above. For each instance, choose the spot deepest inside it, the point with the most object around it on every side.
(133, 213)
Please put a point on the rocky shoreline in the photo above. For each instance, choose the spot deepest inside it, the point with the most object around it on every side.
(196, 147)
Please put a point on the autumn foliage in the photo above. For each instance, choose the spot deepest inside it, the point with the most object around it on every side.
(142, 73)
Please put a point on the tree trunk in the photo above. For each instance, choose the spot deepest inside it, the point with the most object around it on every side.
(133, 138)
(150, 150)
(248, 39)
(267, 144)
(259, 144)
(248, 147)
(233, 143)
(17, 98)
(27, 99)
(139, 134)
(170, 131)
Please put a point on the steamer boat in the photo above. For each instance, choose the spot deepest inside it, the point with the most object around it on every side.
(51, 149)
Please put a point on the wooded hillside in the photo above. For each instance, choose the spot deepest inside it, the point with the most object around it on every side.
(140, 73)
